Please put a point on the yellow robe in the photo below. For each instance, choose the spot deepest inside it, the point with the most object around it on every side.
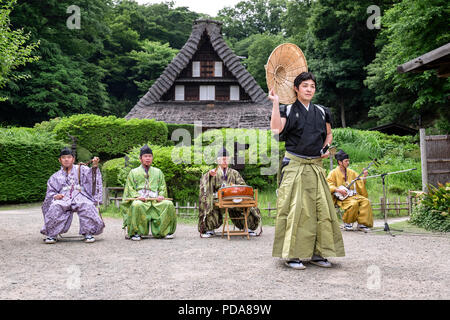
(357, 207)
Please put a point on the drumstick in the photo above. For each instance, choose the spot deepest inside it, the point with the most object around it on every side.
(215, 170)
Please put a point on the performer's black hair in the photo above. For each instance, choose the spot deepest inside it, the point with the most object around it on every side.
(65, 151)
(303, 77)
(341, 155)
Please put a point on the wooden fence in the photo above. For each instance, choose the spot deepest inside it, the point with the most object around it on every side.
(435, 159)
(112, 194)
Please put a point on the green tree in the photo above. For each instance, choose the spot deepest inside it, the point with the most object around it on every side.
(252, 17)
(295, 21)
(258, 53)
(410, 28)
(338, 47)
(131, 27)
(150, 62)
(14, 51)
(67, 79)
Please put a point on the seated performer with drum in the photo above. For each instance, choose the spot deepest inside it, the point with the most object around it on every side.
(306, 225)
(73, 188)
(211, 217)
(354, 199)
(144, 201)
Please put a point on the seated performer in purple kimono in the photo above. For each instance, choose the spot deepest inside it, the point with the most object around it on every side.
(73, 188)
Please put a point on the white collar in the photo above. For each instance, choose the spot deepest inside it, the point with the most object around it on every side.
(306, 107)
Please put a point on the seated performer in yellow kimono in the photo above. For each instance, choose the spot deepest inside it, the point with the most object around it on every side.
(211, 217)
(144, 201)
(357, 207)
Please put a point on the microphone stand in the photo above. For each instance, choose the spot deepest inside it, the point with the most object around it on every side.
(383, 176)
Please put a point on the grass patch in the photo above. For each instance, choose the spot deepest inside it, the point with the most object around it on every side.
(407, 227)
(7, 207)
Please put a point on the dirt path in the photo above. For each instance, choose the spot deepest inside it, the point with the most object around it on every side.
(188, 267)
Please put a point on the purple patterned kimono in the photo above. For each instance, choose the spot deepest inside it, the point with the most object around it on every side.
(77, 197)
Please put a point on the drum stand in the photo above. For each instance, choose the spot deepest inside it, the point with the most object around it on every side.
(246, 204)
(383, 176)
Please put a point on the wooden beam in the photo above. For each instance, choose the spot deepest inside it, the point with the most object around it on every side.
(425, 59)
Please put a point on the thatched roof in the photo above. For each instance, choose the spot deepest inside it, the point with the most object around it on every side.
(239, 113)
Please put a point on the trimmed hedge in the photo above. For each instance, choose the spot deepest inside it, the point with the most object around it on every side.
(111, 170)
(27, 160)
(109, 137)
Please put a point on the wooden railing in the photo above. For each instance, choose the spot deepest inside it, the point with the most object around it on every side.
(113, 194)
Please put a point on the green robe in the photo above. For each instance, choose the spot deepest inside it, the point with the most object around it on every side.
(306, 223)
(137, 215)
(211, 217)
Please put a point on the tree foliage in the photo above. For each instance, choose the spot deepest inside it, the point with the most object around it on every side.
(122, 47)
(410, 28)
(338, 47)
(14, 51)
(252, 17)
(98, 68)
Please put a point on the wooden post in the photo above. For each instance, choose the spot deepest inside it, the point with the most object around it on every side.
(105, 196)
(398, 206)
(268, 207)
(408, 201)
(382, 204)
(176, 209)
(423, 159)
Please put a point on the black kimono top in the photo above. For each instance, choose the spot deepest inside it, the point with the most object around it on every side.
(305, 131)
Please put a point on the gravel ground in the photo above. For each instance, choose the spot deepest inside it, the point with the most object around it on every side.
(376, 266)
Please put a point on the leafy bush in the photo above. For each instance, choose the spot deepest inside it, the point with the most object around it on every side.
(364, 145)
(27, 160)
(110, 172)
(109, 137)
(433, 211)
(47, 126)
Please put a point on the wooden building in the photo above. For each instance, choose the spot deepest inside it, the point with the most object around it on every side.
(206, 82)
(396, 128)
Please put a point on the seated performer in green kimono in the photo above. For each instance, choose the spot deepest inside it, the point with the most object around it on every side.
(307, 226)
(211, 217)
(144, 201)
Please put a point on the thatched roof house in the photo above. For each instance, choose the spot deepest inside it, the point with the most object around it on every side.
(206, 82)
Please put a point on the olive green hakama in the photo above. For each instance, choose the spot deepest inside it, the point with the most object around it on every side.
(306, 222)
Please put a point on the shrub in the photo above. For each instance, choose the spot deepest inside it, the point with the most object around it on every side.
(27, 160)
(47, 126)
(364, 145)
(109, 137)
(110, 172)
(433, 211)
